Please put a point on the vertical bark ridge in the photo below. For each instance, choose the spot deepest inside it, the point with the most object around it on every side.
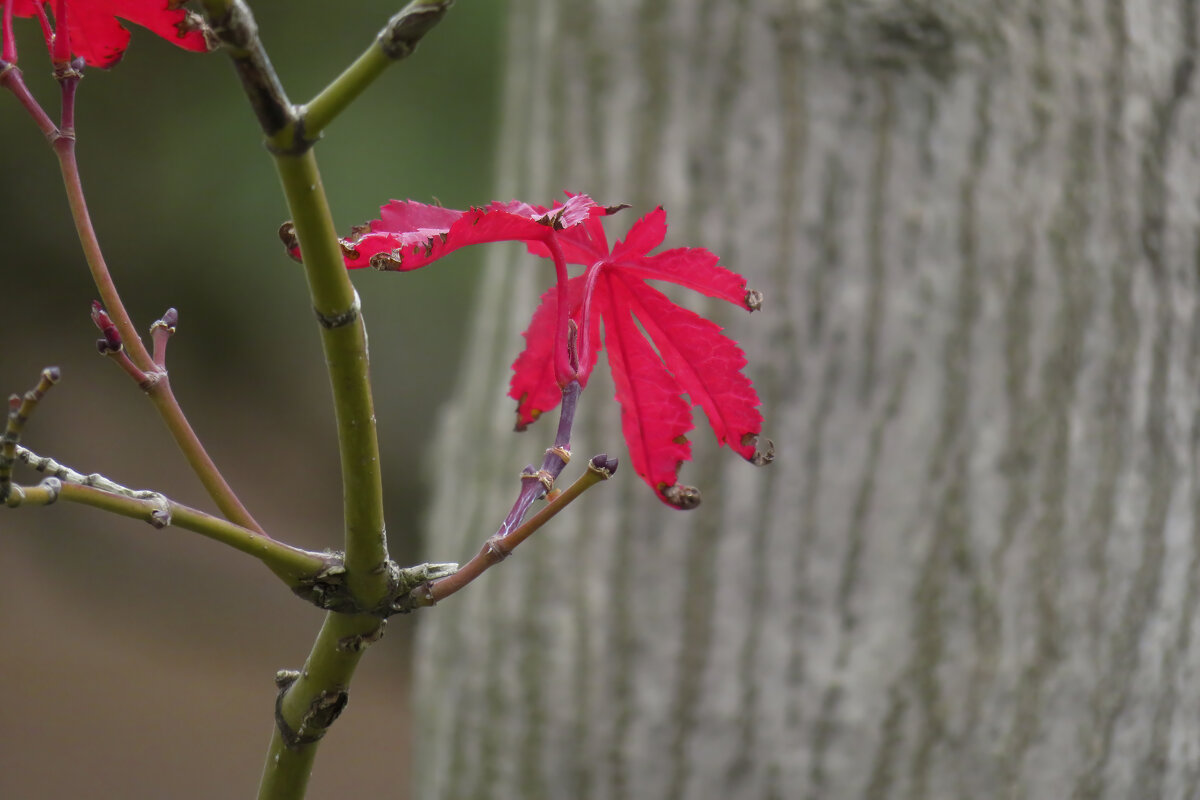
(621, 689)
(785, 304)
(1154, 765)
(1115, 387)
(879, 195)
(1112, 692)
(1062, 368)
(702, 568)
(950, 549)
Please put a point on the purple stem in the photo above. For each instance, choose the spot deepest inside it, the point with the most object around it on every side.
(536, 484)
(11, 79)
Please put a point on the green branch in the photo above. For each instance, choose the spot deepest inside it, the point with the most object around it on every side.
(396, 41)
(291, 564)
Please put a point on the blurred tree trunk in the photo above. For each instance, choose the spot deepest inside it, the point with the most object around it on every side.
(974, 569)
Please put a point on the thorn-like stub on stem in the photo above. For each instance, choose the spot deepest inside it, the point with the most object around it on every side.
(682, 496)
(603, 464)
(286, 677)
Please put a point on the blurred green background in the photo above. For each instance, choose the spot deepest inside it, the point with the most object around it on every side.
(139, 663)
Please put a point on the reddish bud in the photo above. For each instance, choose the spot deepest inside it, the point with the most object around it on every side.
(112, 337)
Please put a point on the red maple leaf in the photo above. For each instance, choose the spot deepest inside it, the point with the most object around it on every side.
(95, 34)
(659, 352)
(680, 353)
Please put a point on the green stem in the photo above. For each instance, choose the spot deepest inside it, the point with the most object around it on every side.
(344, 339)
(396, 41)
(310, 704)
(291, 564)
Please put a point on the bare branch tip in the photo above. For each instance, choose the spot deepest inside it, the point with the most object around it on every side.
(603, 464)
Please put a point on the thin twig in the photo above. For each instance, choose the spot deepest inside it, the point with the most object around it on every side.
(20, 409)
(151, 379)
(497, 547)
(291, 564)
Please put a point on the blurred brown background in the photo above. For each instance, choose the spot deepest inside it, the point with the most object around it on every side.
(138, 663)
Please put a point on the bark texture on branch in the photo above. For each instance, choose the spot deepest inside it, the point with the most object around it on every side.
(974, 569)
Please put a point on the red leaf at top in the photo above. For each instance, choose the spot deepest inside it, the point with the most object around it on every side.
(100, 39)
(685, 355)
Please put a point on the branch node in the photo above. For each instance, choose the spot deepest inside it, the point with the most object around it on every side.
(342, 318)
(160, 514)
(495, 549)
(542, 476)
(53, 487)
